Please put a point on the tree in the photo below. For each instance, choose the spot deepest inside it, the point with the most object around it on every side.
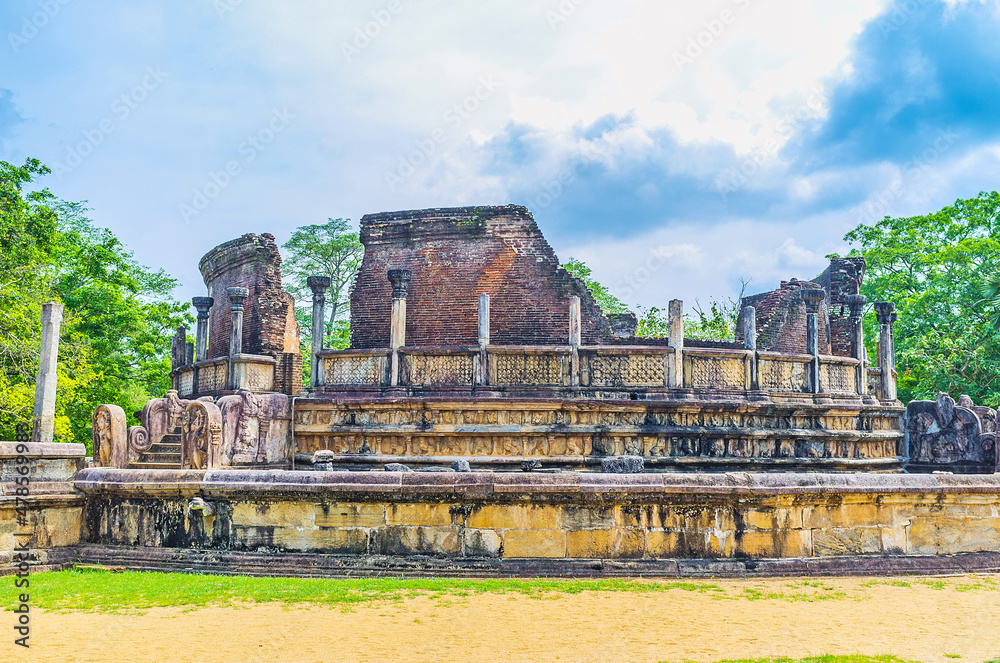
(329, 249)
(118, 317)
(608, 302)
(937, 269)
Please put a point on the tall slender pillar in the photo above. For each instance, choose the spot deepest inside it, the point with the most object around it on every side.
(318, 285)
(856, 303)
(202, 305)
(400, 279)
(574, 340)
(813, 298)
(237, 297)
(44, 417)
(484, 338)
(675, 334)
(748, 318)
(885, 312)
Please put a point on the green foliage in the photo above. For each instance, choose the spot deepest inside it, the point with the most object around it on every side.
(329, 249)
(608, 302)
(118, 317)
(937, 269)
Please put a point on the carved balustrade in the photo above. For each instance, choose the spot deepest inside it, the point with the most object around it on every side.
(226, 374)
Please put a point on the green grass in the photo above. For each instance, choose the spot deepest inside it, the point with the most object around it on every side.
(99, 590)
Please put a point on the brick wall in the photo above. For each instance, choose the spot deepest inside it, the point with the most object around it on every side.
(269, 325)
(455, 255)
(843, 277)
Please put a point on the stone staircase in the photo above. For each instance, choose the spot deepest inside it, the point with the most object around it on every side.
(163, 455)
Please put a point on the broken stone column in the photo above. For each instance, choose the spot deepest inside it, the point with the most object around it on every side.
(574, 340)
(400, 279)
(178, 348)
(202, 305)
(856, 303)
(484, 338)
(675, 319)
(748, 319)
(318, 285)
(237, 296)
(813, 298)
(885, 312)
(44, 417)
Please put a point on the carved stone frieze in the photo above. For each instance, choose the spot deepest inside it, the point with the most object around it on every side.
(943, 435)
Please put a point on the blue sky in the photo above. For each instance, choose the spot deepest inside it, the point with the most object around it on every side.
(676, 147)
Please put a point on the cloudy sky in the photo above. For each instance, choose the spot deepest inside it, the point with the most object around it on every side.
(676, 147)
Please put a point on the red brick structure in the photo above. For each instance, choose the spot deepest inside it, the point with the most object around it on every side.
(269, 325)
(781, 313)
(455, 255)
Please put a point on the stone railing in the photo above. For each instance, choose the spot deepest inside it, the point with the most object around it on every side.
(242, 371)
(591, 367)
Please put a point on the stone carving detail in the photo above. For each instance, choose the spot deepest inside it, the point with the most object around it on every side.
(790, 376)
(260, 377)
(717, 373)
(138, 439)
(837, 378)
(427, 370)
(185, 381)
(202, 436)
(943, 435)
(642, 370)
(529, 369)
(255, 429)
(110, 436)
(212, 377)
(354, 369)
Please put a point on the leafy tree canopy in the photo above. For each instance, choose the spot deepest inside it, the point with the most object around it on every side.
(118, 316)
(936, 269)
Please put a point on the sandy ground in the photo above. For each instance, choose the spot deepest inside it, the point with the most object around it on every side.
(916, 622)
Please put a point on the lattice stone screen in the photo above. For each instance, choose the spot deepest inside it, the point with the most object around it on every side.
(185, 381)
(438, 369)
(212, 377)
(529, 368)
(783, 375)
(358, 369)
(715, 372)
(837, 378)
(622, 370)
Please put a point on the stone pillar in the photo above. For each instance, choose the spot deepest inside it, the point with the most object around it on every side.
(886, 314)
(748, 319)
(43, 420)
(202, 305)
(857, 307)
(574, 340)
(484, 338)
(318, 285)
(400, 279)
(813, 298)
(675, 319)
(178, 348)
(237, 296)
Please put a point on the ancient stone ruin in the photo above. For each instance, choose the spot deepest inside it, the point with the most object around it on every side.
(489, 418)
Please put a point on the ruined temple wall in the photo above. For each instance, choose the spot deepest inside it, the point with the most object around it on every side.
(781, 319)
(841, 278)
(456, 255)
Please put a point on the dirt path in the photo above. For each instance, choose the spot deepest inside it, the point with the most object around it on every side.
(917, 622)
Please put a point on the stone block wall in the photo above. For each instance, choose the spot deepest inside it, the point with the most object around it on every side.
(269, 325)
(456, 255)
(549, 522)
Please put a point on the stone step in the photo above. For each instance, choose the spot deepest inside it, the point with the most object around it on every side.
(140, 465)
(148, 457)
(172, 438)
(161, 448)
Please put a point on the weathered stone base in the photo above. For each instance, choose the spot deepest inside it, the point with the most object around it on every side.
(339, 566)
